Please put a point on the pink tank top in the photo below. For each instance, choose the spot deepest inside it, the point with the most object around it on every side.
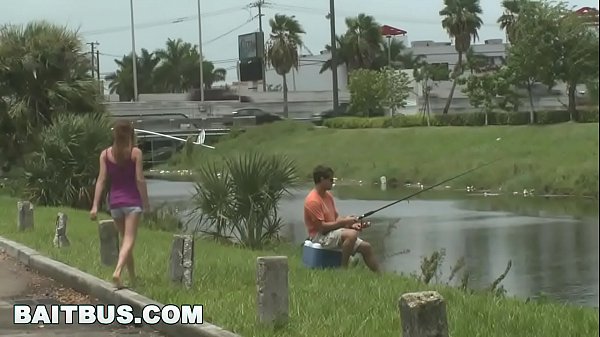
(123, 186)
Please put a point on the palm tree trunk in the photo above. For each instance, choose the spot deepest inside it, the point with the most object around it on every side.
(457, 73)
(285, 97)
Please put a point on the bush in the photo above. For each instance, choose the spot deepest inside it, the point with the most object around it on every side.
(238, 200)
(163, 218)
(63, 171)
(588, 116)
(461, 119)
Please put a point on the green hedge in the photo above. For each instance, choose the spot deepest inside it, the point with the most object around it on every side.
(463, 119)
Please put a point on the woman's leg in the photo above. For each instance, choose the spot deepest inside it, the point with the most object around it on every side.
(129, 235)
(120, 223)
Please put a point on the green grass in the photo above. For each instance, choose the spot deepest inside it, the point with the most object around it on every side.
(322, 303)
(552, 159)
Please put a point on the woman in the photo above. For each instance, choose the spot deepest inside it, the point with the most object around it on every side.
(128, 196)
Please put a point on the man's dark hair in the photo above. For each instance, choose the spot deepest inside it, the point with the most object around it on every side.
(322, 172)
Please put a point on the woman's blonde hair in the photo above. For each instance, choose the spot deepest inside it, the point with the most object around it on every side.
(123, 141)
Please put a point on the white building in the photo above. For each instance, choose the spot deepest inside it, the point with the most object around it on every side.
(445, 52)
(307, 77)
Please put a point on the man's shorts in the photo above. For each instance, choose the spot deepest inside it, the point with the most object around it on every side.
(333, 240)
(121, 212)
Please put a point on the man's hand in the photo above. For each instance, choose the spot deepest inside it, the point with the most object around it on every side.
(360, 225)
(348, 221)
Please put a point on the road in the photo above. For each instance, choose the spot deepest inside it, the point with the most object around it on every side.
(20, 285)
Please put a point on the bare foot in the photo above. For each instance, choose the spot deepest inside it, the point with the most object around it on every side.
(117, 282)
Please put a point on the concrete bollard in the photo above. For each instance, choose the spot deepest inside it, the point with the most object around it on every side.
(272, 289)
(60, 234)
(24, 215)
(109, 242)
(423, 314)
(181, 262)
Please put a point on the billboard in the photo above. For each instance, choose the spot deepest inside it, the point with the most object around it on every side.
(251, 70)
(251, 46)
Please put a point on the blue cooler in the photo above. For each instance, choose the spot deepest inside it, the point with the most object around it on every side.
(315, 256)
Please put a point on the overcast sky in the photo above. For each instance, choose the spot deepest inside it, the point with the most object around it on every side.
(108, 21)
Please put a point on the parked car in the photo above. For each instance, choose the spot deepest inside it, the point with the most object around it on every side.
(319, 117)
(261, 116)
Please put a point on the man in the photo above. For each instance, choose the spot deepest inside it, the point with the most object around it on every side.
(325, 226)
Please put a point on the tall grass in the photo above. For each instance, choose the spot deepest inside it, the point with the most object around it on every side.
(323, 303)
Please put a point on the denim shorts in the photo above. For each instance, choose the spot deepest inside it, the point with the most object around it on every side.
(121, 212)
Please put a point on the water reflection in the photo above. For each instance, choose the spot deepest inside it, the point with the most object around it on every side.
(553, 243)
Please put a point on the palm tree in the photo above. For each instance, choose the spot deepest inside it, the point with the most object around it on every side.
(177, 62)
(282, 48)
(121, 81)
(364, 37)
(507, 20)
(43, 71)
(462, 22)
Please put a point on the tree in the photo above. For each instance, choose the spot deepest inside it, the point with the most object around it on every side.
(462, 22)
(490, 91)
(282, 49)
(508, 19)
(43, 72)
(374, 91)
(578, 45)
(173, 69)
(121, 81)
(395, 85)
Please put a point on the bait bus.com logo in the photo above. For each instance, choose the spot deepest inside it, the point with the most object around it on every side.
(106, 314)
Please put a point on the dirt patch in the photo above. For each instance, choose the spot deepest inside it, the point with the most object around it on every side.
(39, 286)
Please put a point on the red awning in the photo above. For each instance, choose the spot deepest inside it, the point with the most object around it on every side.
(391, 31)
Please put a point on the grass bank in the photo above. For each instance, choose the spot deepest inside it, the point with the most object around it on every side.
(322, 303)
(552, 159)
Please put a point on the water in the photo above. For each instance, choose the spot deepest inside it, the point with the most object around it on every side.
(552, 242)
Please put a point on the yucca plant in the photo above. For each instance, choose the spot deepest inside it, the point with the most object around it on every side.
(64, 169)
(237, 200)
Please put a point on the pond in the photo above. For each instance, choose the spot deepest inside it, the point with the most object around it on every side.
(551, 241)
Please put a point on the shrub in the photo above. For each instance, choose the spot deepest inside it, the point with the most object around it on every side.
(588, 116)
(238, 200)
(163, 218)
(461, 119)
(404, 121)
(63, 170)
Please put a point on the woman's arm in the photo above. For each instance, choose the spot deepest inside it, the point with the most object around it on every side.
(139, 177)
(100, 181)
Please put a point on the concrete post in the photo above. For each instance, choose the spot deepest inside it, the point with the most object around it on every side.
(272, 289)
(60, 234)
(109, 243)
(181, 262)
(24, 215)
(423, 314)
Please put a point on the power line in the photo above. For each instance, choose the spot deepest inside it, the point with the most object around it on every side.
(346, 13)
(231, 30)
(162, 22)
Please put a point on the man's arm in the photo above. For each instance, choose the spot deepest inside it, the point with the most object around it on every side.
(316, 212)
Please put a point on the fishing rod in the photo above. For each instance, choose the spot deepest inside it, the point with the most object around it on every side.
(427, 189)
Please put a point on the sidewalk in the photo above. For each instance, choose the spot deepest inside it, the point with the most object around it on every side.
(20, 285)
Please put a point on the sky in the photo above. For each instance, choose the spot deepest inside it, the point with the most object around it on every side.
(108, 22)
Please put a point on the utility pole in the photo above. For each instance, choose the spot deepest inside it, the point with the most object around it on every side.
(98, 64)
(200, 53)
(334, 63)
(93, 54)
(133, 55)
(259, 4)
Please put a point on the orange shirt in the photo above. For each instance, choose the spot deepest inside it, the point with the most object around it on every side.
(318, 209)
